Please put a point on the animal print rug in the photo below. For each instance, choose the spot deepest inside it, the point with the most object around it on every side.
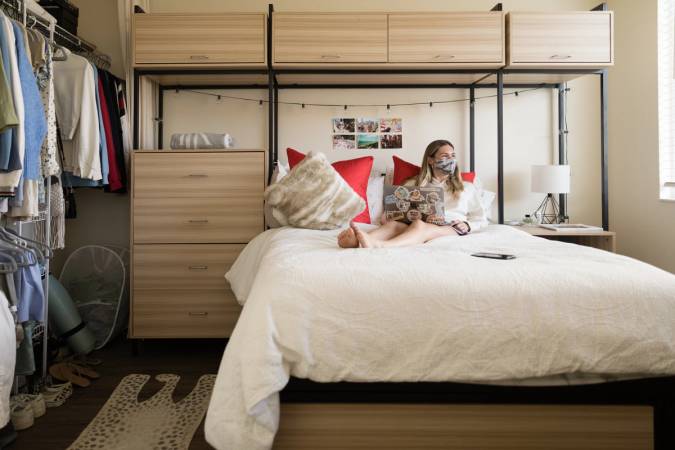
(156, 423)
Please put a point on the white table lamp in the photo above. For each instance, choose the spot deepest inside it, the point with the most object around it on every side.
(550, 179)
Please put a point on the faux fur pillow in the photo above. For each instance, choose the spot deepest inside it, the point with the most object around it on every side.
(313, 195)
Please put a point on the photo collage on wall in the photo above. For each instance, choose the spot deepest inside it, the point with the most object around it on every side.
(367, 133)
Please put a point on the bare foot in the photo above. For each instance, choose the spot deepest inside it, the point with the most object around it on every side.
(364, 238)
(347, 239)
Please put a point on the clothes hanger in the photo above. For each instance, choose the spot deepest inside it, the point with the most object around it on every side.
(32, 243)
(17, 249)
(7, 263)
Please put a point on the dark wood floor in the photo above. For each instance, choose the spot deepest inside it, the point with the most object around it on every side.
(187, 358)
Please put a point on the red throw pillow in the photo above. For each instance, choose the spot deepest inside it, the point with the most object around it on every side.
(354, 171)
(404, 170)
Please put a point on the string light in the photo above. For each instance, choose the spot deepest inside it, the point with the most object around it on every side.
(357, 105)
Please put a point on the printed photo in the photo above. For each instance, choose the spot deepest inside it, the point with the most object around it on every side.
(391, 125)
(391, 141)
(343, 125)
(344, 142)
(364, 125)
(367, 141)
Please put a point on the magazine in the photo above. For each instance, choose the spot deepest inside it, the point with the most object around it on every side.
(570, 227)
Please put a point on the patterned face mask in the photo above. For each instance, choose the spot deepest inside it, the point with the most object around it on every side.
(446, 166)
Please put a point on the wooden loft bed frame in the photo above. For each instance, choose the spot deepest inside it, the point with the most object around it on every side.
(620, 414)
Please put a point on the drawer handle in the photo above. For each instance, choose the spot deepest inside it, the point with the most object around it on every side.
(197, 175)
(202, 57)
(198, 267)
(561, 56)
(444, 56)
(330, 56)
(198, 313)
(198, 220)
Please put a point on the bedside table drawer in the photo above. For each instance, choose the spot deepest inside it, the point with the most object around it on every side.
(162, 313)
(232, 218)
(193, 267)
(164, 175)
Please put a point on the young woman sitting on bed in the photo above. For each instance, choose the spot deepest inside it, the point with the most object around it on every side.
(463, 210)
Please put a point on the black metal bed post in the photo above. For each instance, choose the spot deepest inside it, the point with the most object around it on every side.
(500, 145)
(604, 141)
(160, 118)
(472, 129)
(276, 117)
(135, 115)
(271, 119)
(562, 147)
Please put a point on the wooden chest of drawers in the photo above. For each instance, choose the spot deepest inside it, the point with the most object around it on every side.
(191, 213)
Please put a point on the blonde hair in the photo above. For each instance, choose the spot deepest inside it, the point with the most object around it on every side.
(454, 183)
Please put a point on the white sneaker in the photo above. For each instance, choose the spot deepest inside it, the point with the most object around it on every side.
(22, 416)
(35, 402)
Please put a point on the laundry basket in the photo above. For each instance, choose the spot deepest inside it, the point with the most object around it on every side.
(96, 278)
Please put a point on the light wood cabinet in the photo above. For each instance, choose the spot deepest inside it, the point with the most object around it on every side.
(192, 214)
(335, 38)
(181, 291)
(199, 39)
(476, 39)
(560, 39)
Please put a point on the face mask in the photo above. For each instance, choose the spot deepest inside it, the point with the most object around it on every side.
(446, 166)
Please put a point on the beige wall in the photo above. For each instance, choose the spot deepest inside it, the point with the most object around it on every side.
(529, 123)
(644, 224)
(102, 218)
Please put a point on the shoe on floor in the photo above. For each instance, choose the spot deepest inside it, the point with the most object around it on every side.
(36, 402)
(57, 394)
(22, 416)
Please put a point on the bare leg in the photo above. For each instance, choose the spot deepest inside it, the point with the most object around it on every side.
(417, 233)
(347, 238)
(388, 230)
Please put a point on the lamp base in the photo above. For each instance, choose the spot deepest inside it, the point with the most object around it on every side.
(548, 211)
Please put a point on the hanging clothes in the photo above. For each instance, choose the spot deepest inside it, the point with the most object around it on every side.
(108, 86)
(114, 177)
(26, 202)
(7, 357)
(12, 141)
(77, 116)
(76, 181)
(48, 152)
(7, 111)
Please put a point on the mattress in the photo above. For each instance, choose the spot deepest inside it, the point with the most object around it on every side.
(558, 313)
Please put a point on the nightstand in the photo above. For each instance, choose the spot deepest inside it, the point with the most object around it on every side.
(604, 240)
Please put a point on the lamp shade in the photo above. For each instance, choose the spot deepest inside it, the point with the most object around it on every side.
(551, 179)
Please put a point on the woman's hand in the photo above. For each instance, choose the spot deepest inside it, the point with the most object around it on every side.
(460, 226)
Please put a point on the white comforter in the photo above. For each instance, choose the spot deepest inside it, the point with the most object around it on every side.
(430, 313)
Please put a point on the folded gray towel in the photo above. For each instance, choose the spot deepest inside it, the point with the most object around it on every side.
(201, 140)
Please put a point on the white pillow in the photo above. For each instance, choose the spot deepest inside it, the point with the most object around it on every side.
(375, 195)
(486, 197)
(314, 196)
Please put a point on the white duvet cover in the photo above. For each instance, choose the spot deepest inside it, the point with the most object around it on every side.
(430, 313)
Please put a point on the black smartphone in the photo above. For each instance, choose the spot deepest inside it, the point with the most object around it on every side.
(493, 255)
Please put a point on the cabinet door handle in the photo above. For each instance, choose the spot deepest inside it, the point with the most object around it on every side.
(444, 56)
(197, 175)
(200, 57)
(561, 56)
(330, 56)
(198, 313)
(198, 267)
(198, 220)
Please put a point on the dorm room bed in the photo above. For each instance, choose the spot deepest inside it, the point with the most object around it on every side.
(418, 338)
